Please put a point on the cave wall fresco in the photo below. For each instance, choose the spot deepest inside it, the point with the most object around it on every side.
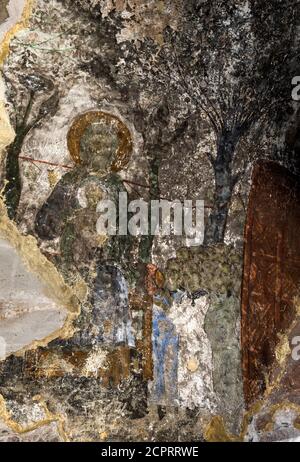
(79, 94)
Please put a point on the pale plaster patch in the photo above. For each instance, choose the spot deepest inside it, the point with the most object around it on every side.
(32, 325)
(29, 328)
(20, 291)
(15, 10)
(195, 382)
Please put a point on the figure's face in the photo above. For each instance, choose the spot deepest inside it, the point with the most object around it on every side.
(98, 146)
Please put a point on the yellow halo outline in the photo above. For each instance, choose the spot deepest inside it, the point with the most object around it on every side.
(78, 127)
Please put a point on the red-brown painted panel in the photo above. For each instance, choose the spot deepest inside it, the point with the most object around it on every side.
(271, 270)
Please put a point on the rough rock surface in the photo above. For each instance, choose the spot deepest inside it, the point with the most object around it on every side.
(200, 90)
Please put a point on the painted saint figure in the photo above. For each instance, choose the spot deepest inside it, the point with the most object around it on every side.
(100, 144)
